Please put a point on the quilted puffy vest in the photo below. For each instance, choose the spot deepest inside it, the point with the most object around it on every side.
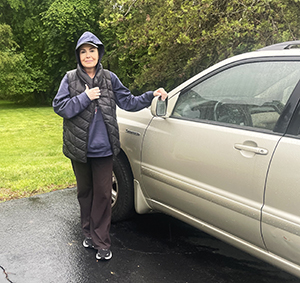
(76, 129)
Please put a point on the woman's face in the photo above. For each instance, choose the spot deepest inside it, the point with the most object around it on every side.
(89, 56)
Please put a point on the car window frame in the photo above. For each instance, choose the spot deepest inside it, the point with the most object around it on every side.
(287, 114)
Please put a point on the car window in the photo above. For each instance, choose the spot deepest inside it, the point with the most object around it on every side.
(252, 94)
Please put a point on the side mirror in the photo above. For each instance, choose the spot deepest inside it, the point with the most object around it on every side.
(159, 107)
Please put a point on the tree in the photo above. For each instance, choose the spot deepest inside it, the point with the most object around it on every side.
(163, 42)
(15, 74)
(46, 32)
(24, 19)
(149, 43)
(63, 23)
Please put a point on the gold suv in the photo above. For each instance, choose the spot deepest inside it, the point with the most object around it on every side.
(222, 154)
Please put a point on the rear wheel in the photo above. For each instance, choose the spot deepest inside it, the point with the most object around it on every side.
(122, 189)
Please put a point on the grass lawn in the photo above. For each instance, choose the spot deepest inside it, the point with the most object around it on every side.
(31, 158)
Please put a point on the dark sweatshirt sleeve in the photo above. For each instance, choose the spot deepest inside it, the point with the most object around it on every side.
(128, 101)
(68, 107)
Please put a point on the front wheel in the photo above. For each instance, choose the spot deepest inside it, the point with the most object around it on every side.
(122, 190)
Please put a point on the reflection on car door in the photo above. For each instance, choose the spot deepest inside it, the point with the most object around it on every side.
(209, 160)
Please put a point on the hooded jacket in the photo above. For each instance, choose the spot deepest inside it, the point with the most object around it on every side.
(90, 127)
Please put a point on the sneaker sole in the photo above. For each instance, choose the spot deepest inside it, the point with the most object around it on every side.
(87, 246)
(104, 258)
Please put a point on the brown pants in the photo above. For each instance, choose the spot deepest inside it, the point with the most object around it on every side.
(94, 185)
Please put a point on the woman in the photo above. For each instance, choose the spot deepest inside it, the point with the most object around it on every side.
(87, 99)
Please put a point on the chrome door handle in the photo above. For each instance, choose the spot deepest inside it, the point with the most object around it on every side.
(257, 150)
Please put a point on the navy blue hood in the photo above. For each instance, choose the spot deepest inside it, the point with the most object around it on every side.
(88, 37)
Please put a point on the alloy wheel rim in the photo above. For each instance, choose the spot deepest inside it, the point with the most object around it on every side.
(115, 189)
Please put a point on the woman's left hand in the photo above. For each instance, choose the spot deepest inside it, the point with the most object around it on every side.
(162, 93)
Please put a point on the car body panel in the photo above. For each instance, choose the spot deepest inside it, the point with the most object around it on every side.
(281, 213)
(188, 172)
(132, 130)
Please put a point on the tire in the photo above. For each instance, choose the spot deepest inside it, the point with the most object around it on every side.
(122, 190)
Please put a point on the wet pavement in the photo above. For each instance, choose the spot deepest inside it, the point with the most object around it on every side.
(41, 242)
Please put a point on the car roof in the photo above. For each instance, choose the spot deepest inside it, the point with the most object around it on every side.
(282, 45)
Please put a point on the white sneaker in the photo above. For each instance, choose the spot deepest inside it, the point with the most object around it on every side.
(104, 254)
(88, 243)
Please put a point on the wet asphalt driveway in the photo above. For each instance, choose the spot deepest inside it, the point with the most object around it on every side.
(41, 242)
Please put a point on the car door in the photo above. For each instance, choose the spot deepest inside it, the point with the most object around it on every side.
(207, 162)
(281, 213)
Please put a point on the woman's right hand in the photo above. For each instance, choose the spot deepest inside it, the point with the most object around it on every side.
(93, 93)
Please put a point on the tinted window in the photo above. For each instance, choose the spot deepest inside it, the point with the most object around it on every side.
(252, 94)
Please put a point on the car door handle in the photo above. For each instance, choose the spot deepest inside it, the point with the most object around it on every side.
(254, 149)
